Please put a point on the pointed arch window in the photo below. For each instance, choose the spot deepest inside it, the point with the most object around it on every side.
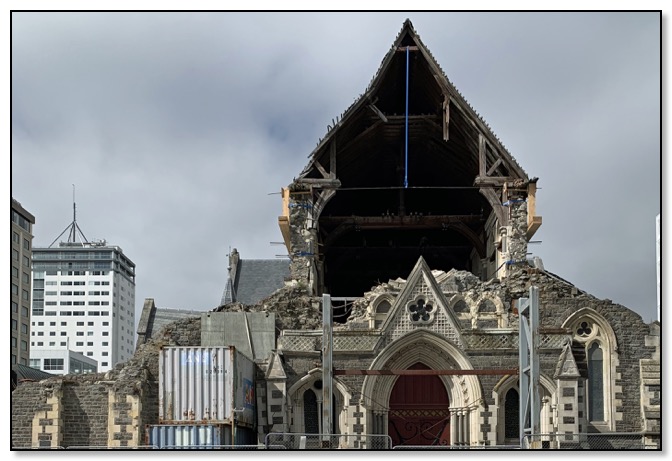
(595, 382)
(310, 413)
(594, 334)
(511, 414)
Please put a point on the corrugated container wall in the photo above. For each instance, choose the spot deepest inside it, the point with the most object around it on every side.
(202, 384)
(188, 435)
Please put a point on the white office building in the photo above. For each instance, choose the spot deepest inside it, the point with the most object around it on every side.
(62, 361)
(658, 263)
(83, 301)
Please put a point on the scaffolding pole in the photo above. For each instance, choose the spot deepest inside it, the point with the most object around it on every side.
(530, 402)
(327, 368)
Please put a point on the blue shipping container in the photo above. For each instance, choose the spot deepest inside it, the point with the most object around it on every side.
(188, 436)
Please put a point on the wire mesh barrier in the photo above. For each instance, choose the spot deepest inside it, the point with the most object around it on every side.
(37, 447)
(294, 441)
(589, 441)
(105, 447)
(223, 447)
(456, 447)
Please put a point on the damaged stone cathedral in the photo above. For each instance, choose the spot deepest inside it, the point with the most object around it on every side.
(424, 256)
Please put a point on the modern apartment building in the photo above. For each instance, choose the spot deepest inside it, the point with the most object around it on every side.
(22, 243)
(83, 301)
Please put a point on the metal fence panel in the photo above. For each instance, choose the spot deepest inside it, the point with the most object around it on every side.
(297, 441)
(105, 447)
(589, 441)
(456, 447)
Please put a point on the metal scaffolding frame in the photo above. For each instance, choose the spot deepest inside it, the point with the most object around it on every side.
(530, 402)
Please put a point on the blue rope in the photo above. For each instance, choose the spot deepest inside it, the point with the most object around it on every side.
(406, 141)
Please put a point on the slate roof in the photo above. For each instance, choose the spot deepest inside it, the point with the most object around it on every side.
(256, 279)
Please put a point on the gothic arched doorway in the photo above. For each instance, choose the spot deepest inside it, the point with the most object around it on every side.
(419, 410)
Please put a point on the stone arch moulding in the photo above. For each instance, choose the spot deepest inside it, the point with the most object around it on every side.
(295, 395)
(427, 347)
(547, 394)
(586, 312)
(606, 339)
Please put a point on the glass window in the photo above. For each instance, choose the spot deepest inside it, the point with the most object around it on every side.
(15, 289)
(53, 364)
(24, 345)
(15, 272)
(595, 383)
(15, 307)
(26, 244)
(511, 414)
(24, 328)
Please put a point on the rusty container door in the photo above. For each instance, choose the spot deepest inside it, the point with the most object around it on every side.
(419, 410)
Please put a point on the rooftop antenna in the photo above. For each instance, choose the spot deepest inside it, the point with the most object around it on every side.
(72, 227)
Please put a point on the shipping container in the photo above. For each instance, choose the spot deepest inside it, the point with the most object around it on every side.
(183, 436)
(206, 385)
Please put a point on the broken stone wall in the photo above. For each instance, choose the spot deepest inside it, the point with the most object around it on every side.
(98, 410)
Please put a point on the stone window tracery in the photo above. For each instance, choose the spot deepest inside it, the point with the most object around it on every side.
(420, 310)
(595, 335)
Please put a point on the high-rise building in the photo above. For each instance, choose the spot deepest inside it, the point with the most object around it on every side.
(22, 243)
(83, 302)
(658, 262)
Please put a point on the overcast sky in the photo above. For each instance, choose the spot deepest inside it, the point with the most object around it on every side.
(179, 129)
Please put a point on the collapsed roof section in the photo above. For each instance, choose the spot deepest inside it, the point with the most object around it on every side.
(408, 170)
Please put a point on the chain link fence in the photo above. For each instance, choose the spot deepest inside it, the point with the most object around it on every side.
(456, 447)
(223, 447)
(294, 441)
(105, 447)
(590, 441)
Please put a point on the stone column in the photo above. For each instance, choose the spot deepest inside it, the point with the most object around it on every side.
(48, 422)
(303, 240)
(453, 426)
(517, 236)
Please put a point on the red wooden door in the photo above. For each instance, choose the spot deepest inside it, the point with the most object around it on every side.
(419, 412)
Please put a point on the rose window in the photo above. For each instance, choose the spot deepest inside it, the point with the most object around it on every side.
(421, 311)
